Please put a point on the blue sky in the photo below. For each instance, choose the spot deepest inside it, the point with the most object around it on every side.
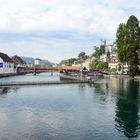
(60, 29)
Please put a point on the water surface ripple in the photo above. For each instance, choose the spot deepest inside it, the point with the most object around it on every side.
(109, 109)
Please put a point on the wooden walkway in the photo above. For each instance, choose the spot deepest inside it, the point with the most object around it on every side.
(41, 83)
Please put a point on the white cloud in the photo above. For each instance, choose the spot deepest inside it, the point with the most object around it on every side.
(93, 16)
(83, 16)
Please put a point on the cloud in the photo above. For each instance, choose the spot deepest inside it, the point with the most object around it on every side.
(54, 46)
(60, 24)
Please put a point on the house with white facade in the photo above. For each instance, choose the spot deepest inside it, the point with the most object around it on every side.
(6, 64)
(113, 61)
(125, 68)
(38, 61)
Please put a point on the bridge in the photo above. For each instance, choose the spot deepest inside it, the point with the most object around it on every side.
(36, 69)
(48, 69)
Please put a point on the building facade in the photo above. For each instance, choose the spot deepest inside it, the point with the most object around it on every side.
(6, 64)
(38, 62)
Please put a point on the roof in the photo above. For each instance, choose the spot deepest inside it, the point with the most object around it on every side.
(72, 67)
(17, 60)
(38, 59)
(113, 59)
(5, 58)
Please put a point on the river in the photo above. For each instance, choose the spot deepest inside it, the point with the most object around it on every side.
(106, 110)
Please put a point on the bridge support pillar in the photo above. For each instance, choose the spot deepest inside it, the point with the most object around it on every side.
(51, 73)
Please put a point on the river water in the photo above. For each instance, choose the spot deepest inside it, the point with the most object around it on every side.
(106, 110)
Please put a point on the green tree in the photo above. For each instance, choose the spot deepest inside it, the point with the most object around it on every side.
(127, 41)
(96, 54)
(108, 55)
(120, 40)
(102, 49)
(71, 61)
(132, 40)
(82, 55)
(97, 64)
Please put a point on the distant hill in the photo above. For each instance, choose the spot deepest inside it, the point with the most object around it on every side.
(31, 60)
(63, 62)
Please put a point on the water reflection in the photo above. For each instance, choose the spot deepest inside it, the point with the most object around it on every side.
(5, 90)
(127, 119)
(125, 94)
(108, 109)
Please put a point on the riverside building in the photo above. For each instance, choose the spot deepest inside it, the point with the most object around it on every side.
(6, 64)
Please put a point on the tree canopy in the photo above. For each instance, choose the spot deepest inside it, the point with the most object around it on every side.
(128, 41)
(82, 56)
(97, 64)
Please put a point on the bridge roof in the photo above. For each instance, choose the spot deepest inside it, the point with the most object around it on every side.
(72, 67)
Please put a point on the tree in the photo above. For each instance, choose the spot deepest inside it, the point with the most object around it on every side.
(127, 41)
(97, 64)
(120, 39)
(132, 40)
(71, 61)
(96, 53)
(82, 55)
(108, 55)
(102, 49)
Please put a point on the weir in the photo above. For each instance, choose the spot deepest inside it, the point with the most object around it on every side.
(41, 83)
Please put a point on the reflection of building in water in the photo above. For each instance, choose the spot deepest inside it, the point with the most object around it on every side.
(113, 84)
(116, 83)
(127, 119)
(5, 90)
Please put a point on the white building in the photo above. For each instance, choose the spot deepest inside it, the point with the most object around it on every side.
(87, 62)
(113, 61)
(6, 64)
(125, 68)
(83, 63)
(38, 62)
(103, 58)
(55, 65)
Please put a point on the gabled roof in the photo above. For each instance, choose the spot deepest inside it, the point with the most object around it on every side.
(5, 58)
(17, 60)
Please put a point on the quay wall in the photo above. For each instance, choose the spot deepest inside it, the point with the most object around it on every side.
(11, 74)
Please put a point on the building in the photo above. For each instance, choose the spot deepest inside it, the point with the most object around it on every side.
(78, 63)
(29, 64)
(113, 61)
(87, 62)
(38, 62)
(103, 58)
(6, 64)
(125, 68)
(55, 65)
(18, 61)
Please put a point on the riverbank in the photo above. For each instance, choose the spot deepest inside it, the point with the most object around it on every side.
(11, 74)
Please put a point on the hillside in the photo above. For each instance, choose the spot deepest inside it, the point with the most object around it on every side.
(31, 60)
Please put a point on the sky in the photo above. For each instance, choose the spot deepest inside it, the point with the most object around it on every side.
(60, 29)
